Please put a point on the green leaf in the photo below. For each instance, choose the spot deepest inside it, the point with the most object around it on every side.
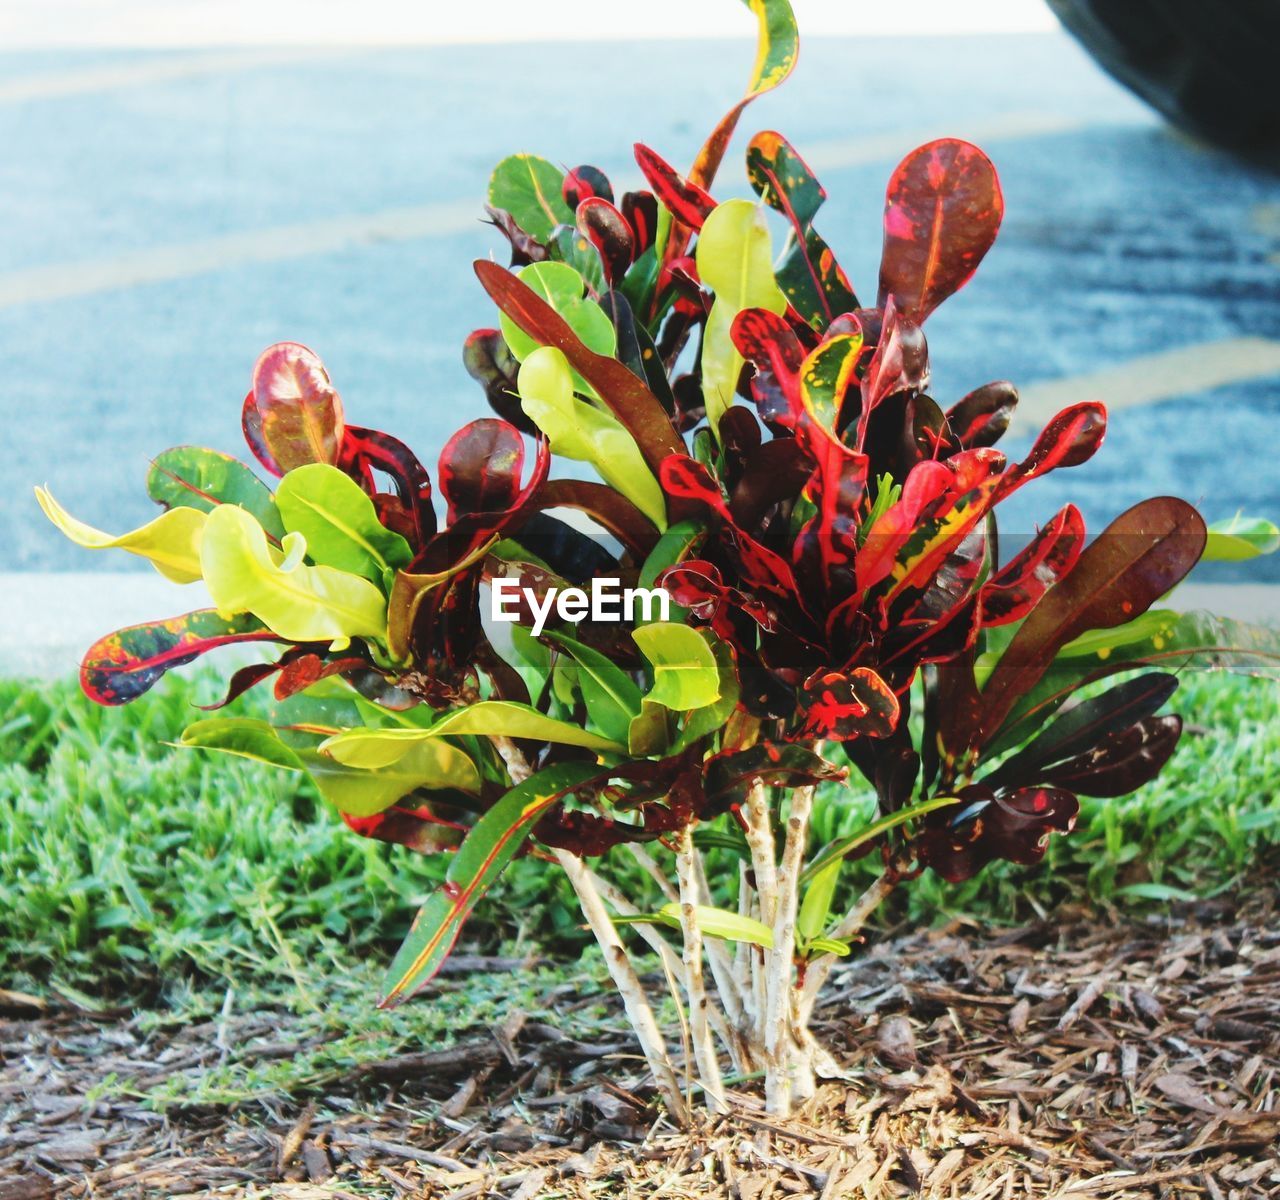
(338, 519)
(649, 733)
(374, 748)
(685, 672)
(675, 545)
(735, 260)
(815, 908)
(703, 721)
(171, 543)
(721, 923)
(587, 434)
(193, 477)
(1154, 891)
(826, 945)
(611, 695)
(362, 793)
(838, 849)
(433, 766)
(300, 603)
(563, 289)
(528, 187)
(244, 737)
(483, 855)
(1240, 538)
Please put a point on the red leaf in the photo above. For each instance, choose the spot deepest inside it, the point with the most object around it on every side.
(607, 229)
(839, 707)
(942, 211)
(686, 201)
(1137, 559)
(298, 414)
(480, 468)
(1017, 587)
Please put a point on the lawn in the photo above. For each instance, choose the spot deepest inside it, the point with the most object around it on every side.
(132, 869)
(194, 943)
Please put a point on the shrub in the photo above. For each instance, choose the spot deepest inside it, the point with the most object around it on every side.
(842, 600)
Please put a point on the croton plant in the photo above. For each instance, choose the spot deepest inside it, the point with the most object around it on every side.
(767, 450)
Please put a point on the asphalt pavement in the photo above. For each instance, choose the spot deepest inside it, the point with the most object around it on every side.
(165, 216)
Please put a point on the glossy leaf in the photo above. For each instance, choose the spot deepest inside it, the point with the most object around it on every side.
(118, 668)
(1137, 559)
(685, 201)
(301, 603)
(371, 749)
(293, 411)
(1241, 538)
(171, 543)
(612, 697)
(982, 417)
(807, 270)
(483, 855)
(530, 189)
(561, 287)
(491, 364)
(839, 706)
(777, 46)
(735, 260)
(1083, 725)
(339, 523)
(193, 477)
(607, 229)
(622, 393)
(942, 211)
(481, 467)
(685, 672)
(1122, 761)
(585, 433)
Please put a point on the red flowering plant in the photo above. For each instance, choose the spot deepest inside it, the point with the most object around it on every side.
(771, 463)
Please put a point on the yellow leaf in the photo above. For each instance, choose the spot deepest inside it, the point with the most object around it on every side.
(171, 543)
(299, 602)
(735, 260)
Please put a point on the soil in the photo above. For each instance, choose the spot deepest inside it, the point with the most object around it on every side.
(1071, 1058)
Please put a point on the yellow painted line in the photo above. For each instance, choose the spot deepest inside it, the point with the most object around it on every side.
(892, 145)
(1152, 377)
(280, 243)
(62, 281)
(146, 70)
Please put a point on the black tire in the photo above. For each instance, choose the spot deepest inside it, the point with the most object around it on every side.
(1210, 66)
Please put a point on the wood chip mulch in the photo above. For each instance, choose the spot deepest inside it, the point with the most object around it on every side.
(1077, 1058)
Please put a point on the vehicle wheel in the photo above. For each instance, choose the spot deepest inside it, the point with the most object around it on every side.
(1208, 65)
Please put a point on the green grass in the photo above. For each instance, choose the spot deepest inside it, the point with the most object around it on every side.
(129, 868)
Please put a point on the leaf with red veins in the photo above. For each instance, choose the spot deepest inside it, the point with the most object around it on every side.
(584, 183)
(1017, 587)
(607, 229)
(982, 417)
(480, 468)
(124, 664)
(298, 413)
(943, 208)
(685, 201)
(1071, 438)
(900, 364)
(641, 212)
(838, 707)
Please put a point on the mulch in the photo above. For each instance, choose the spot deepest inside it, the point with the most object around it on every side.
(1072, 1058)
